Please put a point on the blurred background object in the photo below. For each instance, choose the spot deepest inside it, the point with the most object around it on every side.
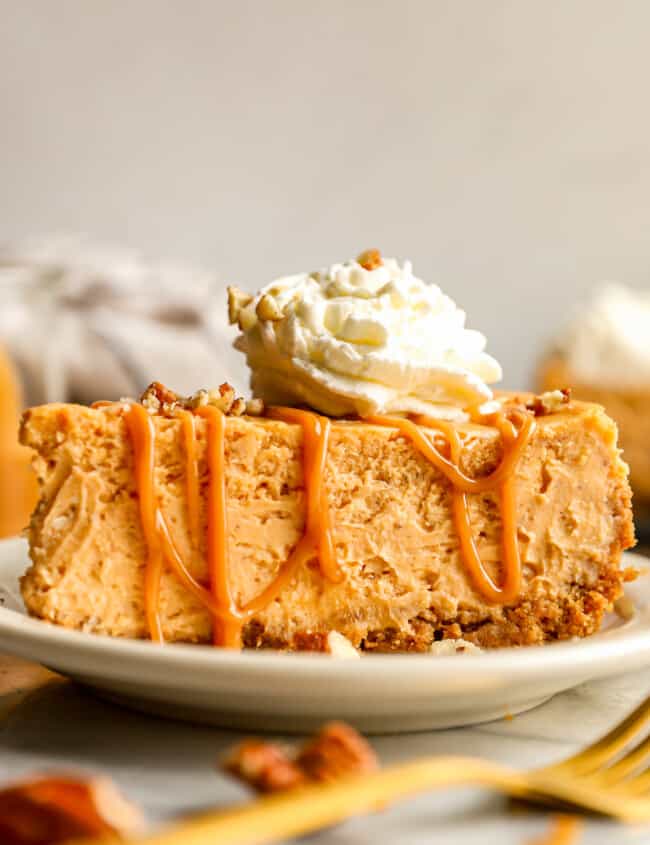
(603, 354)
(86, 322)
(17, 482)
(81, 322)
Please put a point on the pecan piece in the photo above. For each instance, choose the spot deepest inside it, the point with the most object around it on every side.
(268, 308)
(264, 766)
(550, 402)
(336, 751)
(339, 646)
(237, 299)
(50, 810)
(370, 259)
(159, 400)
(255, 408)
(157, 395)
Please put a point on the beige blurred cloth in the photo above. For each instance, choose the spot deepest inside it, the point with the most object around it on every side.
(84, 322)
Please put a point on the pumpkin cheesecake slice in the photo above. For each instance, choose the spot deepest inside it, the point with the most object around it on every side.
(375, 489)
(402, 578)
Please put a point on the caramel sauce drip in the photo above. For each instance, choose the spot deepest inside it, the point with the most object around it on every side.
(318, 529)
(143, 437)
(502, 479)
(227, 626)
(228, 618)
(317, 539)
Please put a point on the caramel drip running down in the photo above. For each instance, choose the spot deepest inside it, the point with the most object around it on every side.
(143, 436)
(156, 532)
(227, 628)
(316, 433)
(502, 479)
(228, 618)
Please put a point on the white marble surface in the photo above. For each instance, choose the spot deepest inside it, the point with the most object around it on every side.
(169, 767)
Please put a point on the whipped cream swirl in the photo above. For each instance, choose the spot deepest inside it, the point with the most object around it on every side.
(608, 343)
(364, 337)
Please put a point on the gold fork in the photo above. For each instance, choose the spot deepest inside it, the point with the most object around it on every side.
(604, 778)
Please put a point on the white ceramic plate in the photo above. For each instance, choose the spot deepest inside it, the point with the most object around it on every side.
(294, 692)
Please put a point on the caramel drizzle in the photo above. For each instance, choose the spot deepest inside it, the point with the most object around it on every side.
(317, 539)
(142, 432)
(227, 626)
(502, 479)
(157, 535)
(318, 530)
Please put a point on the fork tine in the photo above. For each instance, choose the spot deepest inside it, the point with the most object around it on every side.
(608, 746)
(639, 785)
(627, 764)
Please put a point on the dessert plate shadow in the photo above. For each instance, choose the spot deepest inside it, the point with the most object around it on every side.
(296, 692)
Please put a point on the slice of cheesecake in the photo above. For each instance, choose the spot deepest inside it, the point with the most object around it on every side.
(192, 525)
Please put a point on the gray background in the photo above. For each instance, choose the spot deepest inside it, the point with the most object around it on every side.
(501, 145)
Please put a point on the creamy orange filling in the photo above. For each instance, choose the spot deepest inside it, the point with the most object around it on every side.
(317, 540)
(191, 476)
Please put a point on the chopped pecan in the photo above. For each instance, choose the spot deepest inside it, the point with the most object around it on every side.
(264, 766)
(336, 751)
(222, 398)
(50, 810)
(550, 402)
(268, 308)
(238, 407)
(255, 408)
(156, 396)
(158, 399)
(339, 646)
(247, 318)
(237, 299)
(370, 259)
